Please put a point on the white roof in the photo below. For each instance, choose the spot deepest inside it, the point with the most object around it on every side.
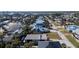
(1, 30)
(44, 36)
(43, 44)
(36, 37)
(6, 21)
(12, 26)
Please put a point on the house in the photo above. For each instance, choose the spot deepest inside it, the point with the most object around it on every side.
(35, 38)
(38, 26)
(13, 27)
(76, 34)
(74, 29)
(4, 22)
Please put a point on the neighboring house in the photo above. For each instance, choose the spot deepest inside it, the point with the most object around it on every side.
(13, 27)
(74, 29)
(4, 22)
(38, 26)
(76, 34)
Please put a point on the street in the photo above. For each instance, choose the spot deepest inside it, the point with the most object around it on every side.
(64, 39)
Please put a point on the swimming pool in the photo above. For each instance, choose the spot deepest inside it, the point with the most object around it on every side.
(72, 28)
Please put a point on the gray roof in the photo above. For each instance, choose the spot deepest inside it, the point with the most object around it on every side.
(43, 44)
(48, 44)
(36, 37)
(7, 38)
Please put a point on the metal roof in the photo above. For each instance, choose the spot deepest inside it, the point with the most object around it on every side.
(36, 37)
(43, 44)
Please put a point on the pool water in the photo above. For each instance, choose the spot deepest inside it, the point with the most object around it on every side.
(72, 28)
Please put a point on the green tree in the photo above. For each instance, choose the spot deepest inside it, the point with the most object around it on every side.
(15, 41)
(28, 44)
(2, 44)
(63, 45)
(26, 30)
(8, 45)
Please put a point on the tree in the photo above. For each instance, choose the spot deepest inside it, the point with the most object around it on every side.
(26, 30)
(8, 45)
(28, 44)
(2, 44)
(63, 45)
(15, 41)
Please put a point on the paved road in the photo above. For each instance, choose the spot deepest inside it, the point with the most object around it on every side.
(64, 39)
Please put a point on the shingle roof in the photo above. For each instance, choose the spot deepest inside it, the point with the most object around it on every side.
(48, 44)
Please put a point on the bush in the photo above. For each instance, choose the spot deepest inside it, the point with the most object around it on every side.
(63, 45)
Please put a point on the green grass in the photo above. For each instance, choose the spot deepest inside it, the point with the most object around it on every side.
(53, 35)
(76, 23)
(1, 33)
(73, 41)
(70, 38)
(63, 30)
(56, 23)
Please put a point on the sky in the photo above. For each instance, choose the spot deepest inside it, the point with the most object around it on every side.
(39, 5)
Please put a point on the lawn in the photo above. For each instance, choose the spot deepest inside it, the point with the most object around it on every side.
(76, 23)
(56, 23)
(53, 35)
(1, 33)
(73, 40)
(63, 30)
(70, 37)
